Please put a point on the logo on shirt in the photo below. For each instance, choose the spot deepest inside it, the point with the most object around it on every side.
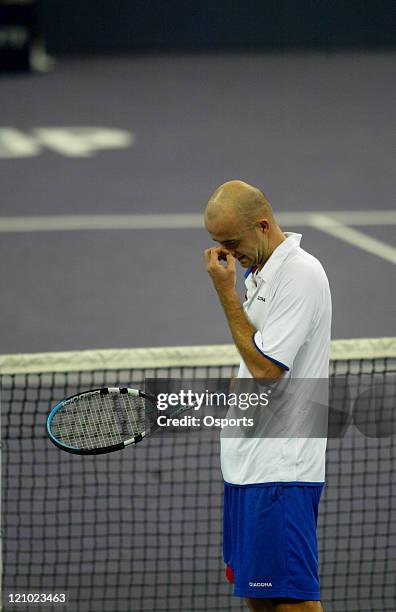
(262, 299)
(260, 584)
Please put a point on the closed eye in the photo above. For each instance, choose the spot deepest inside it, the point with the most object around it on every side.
(228, 244)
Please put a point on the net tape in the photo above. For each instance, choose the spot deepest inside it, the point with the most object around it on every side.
(173, 356)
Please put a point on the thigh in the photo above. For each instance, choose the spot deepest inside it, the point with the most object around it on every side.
(295, 605)
(259, 605)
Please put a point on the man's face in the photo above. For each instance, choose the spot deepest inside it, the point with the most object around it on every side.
(241, 240)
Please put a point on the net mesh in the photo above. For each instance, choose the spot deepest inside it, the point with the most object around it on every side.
(141, 529)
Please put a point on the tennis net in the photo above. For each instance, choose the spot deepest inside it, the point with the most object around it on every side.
(141, 529)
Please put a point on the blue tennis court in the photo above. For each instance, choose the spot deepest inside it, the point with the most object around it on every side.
(303, 127)
(106, 165)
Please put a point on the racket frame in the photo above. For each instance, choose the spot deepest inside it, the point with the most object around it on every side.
(100, 391)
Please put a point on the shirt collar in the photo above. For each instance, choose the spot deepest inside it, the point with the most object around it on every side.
(278, 256)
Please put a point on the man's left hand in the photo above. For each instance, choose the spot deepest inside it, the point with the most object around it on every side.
(223, 275)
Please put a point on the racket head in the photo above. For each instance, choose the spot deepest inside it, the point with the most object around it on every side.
(101, 420)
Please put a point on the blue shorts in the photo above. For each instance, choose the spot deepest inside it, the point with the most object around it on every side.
(269, 543)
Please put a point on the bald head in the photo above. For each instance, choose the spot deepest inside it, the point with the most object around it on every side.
(239, 217)
(238, 200)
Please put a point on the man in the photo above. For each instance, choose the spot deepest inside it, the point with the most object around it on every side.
(272, 485)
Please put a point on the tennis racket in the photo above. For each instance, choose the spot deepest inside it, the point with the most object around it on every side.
(104, 420)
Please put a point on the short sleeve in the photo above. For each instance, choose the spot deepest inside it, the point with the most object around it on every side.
(290, 319)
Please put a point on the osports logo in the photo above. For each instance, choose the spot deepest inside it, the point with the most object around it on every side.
(260, 584)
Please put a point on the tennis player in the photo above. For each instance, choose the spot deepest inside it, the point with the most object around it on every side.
(273, 485)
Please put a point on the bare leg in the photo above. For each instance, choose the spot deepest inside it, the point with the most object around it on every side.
(255, 603)
(290, 605)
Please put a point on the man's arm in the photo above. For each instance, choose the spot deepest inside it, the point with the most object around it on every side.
(242, 330)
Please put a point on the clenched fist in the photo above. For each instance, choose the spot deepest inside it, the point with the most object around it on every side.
(223, 274)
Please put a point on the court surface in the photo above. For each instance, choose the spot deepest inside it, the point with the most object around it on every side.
(104, 249)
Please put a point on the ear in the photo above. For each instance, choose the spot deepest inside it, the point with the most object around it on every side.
(264, 224)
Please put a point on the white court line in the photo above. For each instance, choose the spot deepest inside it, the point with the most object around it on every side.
(64, 223)
(354, 237)
(180, 221)
(333, 223)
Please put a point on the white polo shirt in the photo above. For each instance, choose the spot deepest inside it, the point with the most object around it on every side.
(289, 303)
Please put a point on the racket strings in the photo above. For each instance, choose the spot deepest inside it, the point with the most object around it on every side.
(99, 421)
(134, 413)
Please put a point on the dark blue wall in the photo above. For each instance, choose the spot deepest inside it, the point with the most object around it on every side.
(106, 25)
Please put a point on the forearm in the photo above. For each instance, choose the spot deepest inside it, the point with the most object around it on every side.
(242, 331)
